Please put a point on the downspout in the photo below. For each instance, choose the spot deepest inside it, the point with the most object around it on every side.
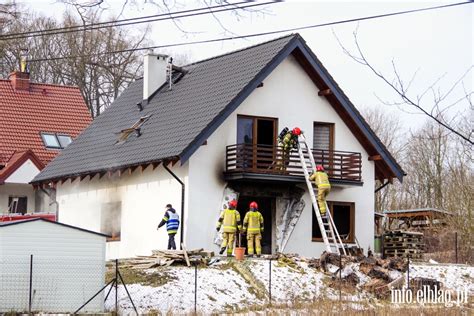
(53, 202)
(182, 202)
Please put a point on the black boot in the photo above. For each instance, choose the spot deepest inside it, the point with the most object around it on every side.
(222, 250)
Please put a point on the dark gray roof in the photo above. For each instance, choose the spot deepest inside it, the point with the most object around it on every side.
(183, 118)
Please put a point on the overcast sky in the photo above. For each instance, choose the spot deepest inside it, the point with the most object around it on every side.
(434, 43)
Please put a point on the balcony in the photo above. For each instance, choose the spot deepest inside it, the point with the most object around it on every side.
(247, 162)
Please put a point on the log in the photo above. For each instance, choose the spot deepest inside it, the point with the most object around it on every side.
(185, 255)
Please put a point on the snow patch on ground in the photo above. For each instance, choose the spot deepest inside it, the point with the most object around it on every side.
(453, 277)
(222, 288)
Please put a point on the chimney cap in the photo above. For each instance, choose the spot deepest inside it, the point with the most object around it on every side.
(150, 52)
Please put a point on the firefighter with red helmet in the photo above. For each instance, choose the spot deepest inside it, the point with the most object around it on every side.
(253, 227)
(288, 140)
(229, 220)
(321, 181)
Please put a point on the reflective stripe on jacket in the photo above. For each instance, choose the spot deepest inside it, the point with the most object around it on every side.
(320, 179)
(172, 224)
(253, 222)
(230, 219)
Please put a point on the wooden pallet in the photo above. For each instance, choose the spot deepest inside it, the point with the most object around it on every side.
(403, 245)
(401, 239)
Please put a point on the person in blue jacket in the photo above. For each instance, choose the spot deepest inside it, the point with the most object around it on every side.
(171, 219)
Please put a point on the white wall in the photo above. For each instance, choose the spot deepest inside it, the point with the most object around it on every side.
(68, 267)
(24, 174)
(14, 189)
(291, 96)
(143, 196)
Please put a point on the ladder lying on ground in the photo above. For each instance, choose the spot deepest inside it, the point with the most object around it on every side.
(329, 232)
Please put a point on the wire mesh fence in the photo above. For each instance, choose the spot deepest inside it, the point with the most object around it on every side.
(53, 284)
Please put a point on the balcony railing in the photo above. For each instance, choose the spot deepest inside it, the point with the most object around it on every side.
(267, 159)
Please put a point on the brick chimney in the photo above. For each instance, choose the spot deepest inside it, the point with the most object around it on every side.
(20, 80)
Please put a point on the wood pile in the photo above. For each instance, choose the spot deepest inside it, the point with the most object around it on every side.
(399, 243)
(164, 258)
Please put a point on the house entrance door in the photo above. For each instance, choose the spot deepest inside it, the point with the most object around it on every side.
(266, 206)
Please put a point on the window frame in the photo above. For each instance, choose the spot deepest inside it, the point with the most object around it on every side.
(331, 133)
(19, 197)
(331, 204)
(56, 137)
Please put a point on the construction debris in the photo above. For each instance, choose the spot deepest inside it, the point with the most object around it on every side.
(160, 258)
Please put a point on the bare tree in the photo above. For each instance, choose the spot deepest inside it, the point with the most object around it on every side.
(437, 106)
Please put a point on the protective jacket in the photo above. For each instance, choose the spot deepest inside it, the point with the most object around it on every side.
(171, 219)
(320, 179)
(253, 222)
(230, 220)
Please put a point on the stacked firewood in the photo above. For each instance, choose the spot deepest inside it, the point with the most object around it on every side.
(163, 258)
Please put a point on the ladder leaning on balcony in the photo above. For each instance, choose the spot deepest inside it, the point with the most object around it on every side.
(329, 232)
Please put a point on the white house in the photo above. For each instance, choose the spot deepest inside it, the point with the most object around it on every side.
(67, 266)
(211, 135)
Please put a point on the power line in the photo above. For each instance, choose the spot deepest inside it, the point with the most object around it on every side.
(254, 34)
(137, 20)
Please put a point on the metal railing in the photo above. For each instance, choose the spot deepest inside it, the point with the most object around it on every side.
(267, 159)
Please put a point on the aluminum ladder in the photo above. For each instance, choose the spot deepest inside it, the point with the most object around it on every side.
(329, 232)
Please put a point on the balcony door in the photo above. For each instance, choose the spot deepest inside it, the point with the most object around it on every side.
(257, 137)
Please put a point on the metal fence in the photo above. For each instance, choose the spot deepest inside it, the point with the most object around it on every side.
(53, 284)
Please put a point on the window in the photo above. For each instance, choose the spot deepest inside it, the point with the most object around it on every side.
(111, 220)
(323, 136)
(17, 204)
(55, 141)
(343, 214)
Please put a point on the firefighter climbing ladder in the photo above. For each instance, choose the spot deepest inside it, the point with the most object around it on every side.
(329, 232)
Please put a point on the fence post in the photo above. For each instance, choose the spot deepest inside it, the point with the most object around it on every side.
(195, 288)
(30, 290)
(340, 277)
(456, 245)
(408, 273)
(116, 286)
(270, 280)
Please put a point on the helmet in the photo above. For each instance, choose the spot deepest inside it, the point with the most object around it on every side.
(319, 168)
(233, 203)
(253, 205)
(296, 131)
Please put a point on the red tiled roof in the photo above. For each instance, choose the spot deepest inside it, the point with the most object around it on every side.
(16, 160)
(24, 114)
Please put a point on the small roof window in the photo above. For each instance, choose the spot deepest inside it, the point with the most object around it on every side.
(55, 140)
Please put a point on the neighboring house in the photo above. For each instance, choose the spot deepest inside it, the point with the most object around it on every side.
(36, 121)
(212, 136)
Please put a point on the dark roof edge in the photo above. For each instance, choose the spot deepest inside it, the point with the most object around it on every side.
(53, 222)
(351, 109)
(241, 96)
(89, 172)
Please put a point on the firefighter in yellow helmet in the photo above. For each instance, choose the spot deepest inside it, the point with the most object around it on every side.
(230, 220)
(253, 227)
(321, 180)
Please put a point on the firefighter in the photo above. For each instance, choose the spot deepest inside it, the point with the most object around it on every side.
(321, 181)
(230, 220)
(171, 219)
(253, 227)
(288, 140)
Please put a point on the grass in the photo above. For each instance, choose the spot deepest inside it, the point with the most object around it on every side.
(131, 276)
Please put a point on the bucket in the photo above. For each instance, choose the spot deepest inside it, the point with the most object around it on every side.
(239, 253)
